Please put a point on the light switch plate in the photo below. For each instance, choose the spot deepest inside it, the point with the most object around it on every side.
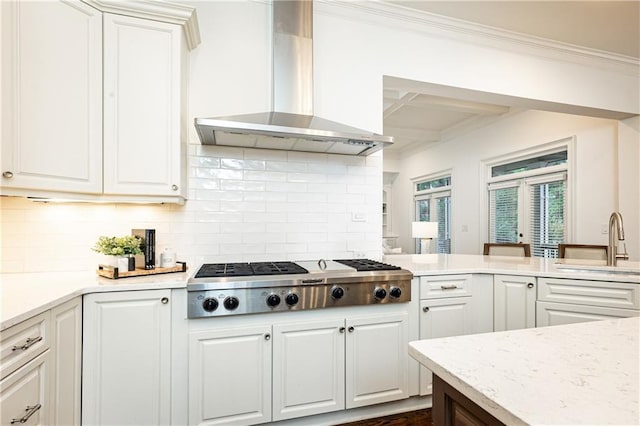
(358, 217)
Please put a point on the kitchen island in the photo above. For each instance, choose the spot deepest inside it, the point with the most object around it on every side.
(576, 374)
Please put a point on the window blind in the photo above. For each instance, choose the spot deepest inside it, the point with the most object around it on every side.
(503, 214)
(546, 217)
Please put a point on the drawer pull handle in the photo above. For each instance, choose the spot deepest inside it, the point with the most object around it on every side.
(27, 344)
(448, 287)
(30, 412)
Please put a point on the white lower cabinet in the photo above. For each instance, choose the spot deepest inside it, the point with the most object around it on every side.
(514, 302)
(308, 368)
(453, 305)
(442, 318)
(291, 369)
(230, 376)
(40, 359)
(549, 313)
(376, 359)
(126, 364)
(66, 335)
(24, 395)
(568, 301)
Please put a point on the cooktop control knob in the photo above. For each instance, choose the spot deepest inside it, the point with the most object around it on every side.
(337, 292)
(231, 303)
(210, 304)
(291, 299)
(395, 292)
(273, 300)
(379, 293)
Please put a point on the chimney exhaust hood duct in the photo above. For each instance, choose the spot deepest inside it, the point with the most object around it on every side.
(291, 125)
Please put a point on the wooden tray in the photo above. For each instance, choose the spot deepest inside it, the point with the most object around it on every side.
(113, 273)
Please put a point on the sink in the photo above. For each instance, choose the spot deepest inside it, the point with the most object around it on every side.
(599, 268)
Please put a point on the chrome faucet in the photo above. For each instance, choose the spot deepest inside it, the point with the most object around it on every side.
(615, 224)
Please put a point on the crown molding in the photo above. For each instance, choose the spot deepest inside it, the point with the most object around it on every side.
(156, 10)
(402, 18)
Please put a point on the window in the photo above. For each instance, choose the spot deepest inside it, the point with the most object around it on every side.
(527, 202)
(433, 204)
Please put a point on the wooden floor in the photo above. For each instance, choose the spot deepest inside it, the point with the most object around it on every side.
(412, 418)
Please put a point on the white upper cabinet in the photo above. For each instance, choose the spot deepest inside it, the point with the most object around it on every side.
(71, 130)
(51, 97)
(142, 99)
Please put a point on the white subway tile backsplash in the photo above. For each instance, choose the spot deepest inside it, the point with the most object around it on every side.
(244, 205)
(201, 172)
(265, 154)
(286, 187)
(264, 217)
(306, 177)
(265, 176)
(241, 185)
(283, 166)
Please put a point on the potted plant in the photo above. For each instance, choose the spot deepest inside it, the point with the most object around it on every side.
(119, 250)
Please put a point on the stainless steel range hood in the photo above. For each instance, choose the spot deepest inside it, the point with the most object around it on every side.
(291, 125)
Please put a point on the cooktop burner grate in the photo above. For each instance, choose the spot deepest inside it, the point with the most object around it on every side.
(277, 268)
(367, 265)
(212, 270)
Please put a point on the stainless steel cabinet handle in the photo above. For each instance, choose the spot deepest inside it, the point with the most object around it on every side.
(174, 187)
(27, 344)
(342, 329)
(448, 287)
(425, 309)
(8, 175)
(30, 412)
(530, 285)
(165, 300)
(351, 329)
(267, 336)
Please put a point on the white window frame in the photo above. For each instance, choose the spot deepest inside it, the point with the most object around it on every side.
(432, 194)
(567, 144)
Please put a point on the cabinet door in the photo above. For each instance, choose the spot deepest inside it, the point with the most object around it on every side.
(142, 100)
(308, 369)
(514, 302)
(66, 327)
(549, 313)
(24, 395)
(51, 97)
(126, 378)
(230, 376)
(442, 318)
(376, 359)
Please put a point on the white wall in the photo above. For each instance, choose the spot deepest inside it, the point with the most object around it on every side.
(629, 182)
(354, 48)
(593, 178)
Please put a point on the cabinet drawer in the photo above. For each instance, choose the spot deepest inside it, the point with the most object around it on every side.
(23, 342)
(592, 293)
(445, 286)
(24, 394)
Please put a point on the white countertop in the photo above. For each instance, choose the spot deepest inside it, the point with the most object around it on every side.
(436, 264)
(576, 374)
(25, 295)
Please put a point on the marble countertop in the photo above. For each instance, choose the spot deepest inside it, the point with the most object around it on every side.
(435, 264)
(25, 295)
(578, 374)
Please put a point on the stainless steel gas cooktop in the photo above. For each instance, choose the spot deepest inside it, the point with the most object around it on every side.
(222, 289)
